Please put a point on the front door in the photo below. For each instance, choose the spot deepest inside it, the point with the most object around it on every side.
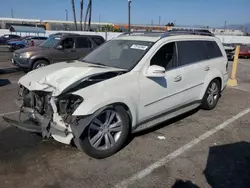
(160, 95)
(68, 51)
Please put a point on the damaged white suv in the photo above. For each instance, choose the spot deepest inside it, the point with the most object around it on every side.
(127, 84)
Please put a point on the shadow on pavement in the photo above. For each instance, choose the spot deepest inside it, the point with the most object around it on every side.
(184, 184)
(9, 70)
(4, 82)
(228, 166)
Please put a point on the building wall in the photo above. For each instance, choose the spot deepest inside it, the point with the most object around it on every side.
(110, 35)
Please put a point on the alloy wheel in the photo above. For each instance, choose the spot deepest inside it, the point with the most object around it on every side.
(105, 130)
(213, 93)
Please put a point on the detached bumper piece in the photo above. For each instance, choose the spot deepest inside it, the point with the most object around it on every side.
(28, 126)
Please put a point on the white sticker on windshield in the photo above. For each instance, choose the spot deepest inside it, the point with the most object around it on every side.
(139, 47)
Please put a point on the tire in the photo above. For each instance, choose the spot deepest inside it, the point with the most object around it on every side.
(101, 150)
(39, 64)
(209, 103)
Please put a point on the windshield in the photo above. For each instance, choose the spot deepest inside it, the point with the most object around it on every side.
(50, 42)
(123, 54)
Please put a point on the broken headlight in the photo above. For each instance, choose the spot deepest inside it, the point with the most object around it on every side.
(68, 103)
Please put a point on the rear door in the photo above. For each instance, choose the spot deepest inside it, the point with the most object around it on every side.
(82, 46)
(191, 68)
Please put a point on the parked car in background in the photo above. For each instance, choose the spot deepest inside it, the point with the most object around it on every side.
(56, 49)
(244, 51)
(230, 50)
(5, 38)
(126, 85)
(27, 41)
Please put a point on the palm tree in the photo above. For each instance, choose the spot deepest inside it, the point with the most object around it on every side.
(74, 12)
(88, 12)
(81, 7)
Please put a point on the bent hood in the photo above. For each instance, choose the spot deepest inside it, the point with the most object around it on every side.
(57, 77)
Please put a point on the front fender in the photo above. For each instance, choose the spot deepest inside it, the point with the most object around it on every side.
(89, 107)
(36, 57)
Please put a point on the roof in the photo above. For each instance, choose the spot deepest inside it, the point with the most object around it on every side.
(27, 29)
(19, 19)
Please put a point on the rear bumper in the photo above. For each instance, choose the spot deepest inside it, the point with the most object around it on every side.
(226, 77)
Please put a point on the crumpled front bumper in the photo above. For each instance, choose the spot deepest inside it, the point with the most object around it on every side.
(42, 125)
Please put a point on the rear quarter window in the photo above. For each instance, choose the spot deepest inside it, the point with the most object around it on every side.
(213, 50)
(98, 40)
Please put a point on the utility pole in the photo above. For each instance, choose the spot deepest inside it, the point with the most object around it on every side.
(12, 15)
(99, 20)
(129, 11)
(66, 14)
(159, 20)
(225, 26)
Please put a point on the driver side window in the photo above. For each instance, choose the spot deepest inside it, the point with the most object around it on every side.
(165, 57)
(68, 43)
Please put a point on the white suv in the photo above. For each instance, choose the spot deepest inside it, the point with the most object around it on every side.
(127, 84)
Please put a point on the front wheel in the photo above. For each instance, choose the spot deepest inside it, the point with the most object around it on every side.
(39, 64)
(106, 134)
(212, 95)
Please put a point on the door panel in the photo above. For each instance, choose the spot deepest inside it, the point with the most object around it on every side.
(159, 95)
(193, 66)
(67, 53)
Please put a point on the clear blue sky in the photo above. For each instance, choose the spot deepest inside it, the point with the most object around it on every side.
(185, 12)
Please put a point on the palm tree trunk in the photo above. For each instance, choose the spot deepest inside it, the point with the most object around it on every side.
(86, 15)
(90, 13)
(81, 5)
(74, 12)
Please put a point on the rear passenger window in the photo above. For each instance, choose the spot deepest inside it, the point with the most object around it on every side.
(213, 49)
(191, 52)
(83, 42)
(98, 41)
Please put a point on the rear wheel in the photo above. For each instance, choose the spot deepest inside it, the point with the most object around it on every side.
(39, 64)
(106, 134)
(212, 95)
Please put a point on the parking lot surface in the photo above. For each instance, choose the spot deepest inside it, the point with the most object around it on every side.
(201, 148)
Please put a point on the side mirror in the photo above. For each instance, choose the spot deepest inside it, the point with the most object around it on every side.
(59, 47)
(155, 71)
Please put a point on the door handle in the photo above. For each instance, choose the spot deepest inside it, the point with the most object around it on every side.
(178, 78)
(207, 68)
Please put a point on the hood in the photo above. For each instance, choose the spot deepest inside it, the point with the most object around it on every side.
(57, 77)
(30, 49)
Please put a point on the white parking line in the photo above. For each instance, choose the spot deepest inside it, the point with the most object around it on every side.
(8, 113)
(143, 173)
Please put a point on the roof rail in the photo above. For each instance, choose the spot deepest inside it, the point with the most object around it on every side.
(188, 32)
(142, 33)
(168, 33)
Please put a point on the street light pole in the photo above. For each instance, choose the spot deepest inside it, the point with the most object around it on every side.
(129, 9)
(66, 11)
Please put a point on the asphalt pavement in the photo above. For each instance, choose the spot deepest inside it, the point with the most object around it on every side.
(199, 149)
